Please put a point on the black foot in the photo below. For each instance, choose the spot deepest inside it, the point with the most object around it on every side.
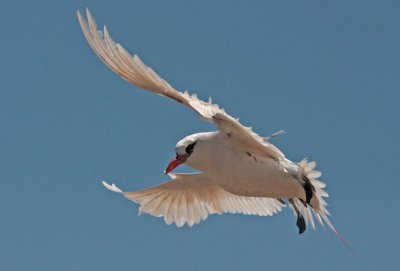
(309, 189)
(301, 224)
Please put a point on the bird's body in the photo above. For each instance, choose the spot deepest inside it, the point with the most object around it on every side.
(254, 177)
(240, 171)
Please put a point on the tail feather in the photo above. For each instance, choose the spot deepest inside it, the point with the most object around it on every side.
(341, 238)
(318, 204)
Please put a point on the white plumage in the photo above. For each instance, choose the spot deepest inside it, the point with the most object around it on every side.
(190, 198)
(241, 172)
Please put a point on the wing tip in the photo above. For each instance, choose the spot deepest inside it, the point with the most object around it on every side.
(111, 187)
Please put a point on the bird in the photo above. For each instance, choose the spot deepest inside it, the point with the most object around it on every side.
(239, 171)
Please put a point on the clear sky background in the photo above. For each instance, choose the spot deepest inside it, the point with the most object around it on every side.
(325, 71)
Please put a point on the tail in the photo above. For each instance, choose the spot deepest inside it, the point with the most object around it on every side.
(318, 204)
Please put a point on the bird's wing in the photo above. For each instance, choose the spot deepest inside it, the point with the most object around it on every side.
(133, 70)
(239, 136)
(190, 198)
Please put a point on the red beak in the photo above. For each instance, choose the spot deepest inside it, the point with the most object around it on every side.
(179, 159)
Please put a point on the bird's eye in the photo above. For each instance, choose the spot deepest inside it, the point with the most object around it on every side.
(189, 148)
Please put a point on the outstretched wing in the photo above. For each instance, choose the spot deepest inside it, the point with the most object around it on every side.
(133, 70)
(190, 198)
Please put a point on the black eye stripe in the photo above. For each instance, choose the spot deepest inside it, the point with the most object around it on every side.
(189, 148)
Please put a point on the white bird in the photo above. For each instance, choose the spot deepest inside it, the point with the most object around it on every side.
(240, 171)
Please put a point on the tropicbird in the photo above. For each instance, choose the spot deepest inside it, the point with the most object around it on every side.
(240, 171)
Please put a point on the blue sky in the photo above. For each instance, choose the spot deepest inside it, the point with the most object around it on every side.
(326, 72)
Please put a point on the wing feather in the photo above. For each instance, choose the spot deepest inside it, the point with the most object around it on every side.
(132, 69)
(239, 135)
(190, 198)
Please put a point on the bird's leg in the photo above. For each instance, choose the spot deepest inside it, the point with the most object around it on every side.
(301, 176)
(301, 224)
(308, 188)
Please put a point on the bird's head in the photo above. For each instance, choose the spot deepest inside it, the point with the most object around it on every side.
(193, 150)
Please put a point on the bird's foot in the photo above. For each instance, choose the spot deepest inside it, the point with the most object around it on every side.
(301, 223)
